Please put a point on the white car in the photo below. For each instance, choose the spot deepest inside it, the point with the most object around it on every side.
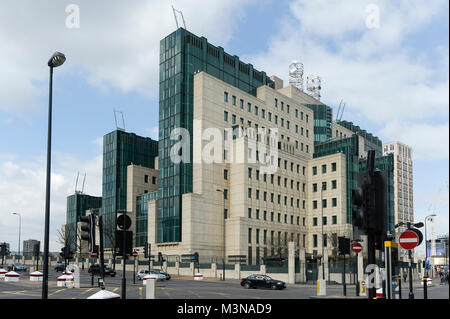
(429, 282)
(145, 272)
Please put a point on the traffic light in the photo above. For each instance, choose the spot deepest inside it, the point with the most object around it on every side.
(123, 222)
(344, 246)
(88, 230)
(65, 252)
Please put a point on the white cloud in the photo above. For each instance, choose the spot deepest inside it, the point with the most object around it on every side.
(22, 190)
(116, 46)
(382, 78)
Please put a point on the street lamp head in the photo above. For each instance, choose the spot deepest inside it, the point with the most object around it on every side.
(418, 225)
(56, 60)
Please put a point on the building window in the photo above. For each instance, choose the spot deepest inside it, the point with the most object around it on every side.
(314, 187)
(314, 236)
(153, 179)
(225, 193)
(233, 100)
(324, 203)
(324, 169)
(333, 184)
(249, 193)
(249, 107)
(225, 116)
(315, 221)
(241, 103)
(249, 172)
(145, 178)
(314, 170)
(334, 202)
(324, 186)
(314, 204)
(225, 96)
(249, 235)
(333, 167)
(257, 214)
(225, 174)
(249, 213)
(334, 220)
(324, 221)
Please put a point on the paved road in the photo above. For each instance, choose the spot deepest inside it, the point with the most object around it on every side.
(184, 288)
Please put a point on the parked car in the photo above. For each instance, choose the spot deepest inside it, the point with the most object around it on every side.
(162, 273)
(262, 281)
(17, 267)
(144, 272)
(96, 270)
(59, 267)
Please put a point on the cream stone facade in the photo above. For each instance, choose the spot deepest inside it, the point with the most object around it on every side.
(140, 180)
(263, 211)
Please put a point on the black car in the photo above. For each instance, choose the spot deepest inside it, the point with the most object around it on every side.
(96, 270)
(262, 281)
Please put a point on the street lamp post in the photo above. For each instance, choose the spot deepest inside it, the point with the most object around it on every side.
(426, 251)
(20, 229)
(57, 59)
(425, 277)
(323, 256)
(223, 239)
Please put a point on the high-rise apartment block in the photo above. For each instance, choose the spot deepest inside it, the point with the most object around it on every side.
(403, 182)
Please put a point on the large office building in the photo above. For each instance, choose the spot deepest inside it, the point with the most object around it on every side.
(121, 149)
(261, 171)
(28, 247)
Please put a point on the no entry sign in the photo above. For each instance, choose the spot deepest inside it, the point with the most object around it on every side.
(408, 240)
(356, 247)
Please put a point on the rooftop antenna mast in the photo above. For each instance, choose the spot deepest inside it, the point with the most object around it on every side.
(176, 20)
(84, 179)
(340, 111)
(296, 75)
(76, 183)
(313, 85)
(123, 120)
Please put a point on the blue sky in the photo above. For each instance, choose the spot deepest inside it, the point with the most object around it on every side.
(394, 80)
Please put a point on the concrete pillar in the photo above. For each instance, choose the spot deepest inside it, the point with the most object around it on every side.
(361, 275)
(326, 268)
(291, 263)
(165, 265)
(237, 271)
(263, 269)
(302, 262)
(214, 270)
(177, 268)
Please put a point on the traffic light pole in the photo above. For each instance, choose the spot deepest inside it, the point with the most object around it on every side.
(411, 293)
(124, 256)
(101, 252)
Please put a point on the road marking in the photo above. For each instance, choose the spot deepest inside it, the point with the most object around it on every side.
(86, 291)
(57, 291)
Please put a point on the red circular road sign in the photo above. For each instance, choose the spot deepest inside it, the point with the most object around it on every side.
(135, 254)
(93, 255)
(356, 247)
(408, 240)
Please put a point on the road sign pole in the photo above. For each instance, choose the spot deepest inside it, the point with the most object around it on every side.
(411, 293)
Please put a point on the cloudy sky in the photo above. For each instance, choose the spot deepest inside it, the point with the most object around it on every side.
(388, 60)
